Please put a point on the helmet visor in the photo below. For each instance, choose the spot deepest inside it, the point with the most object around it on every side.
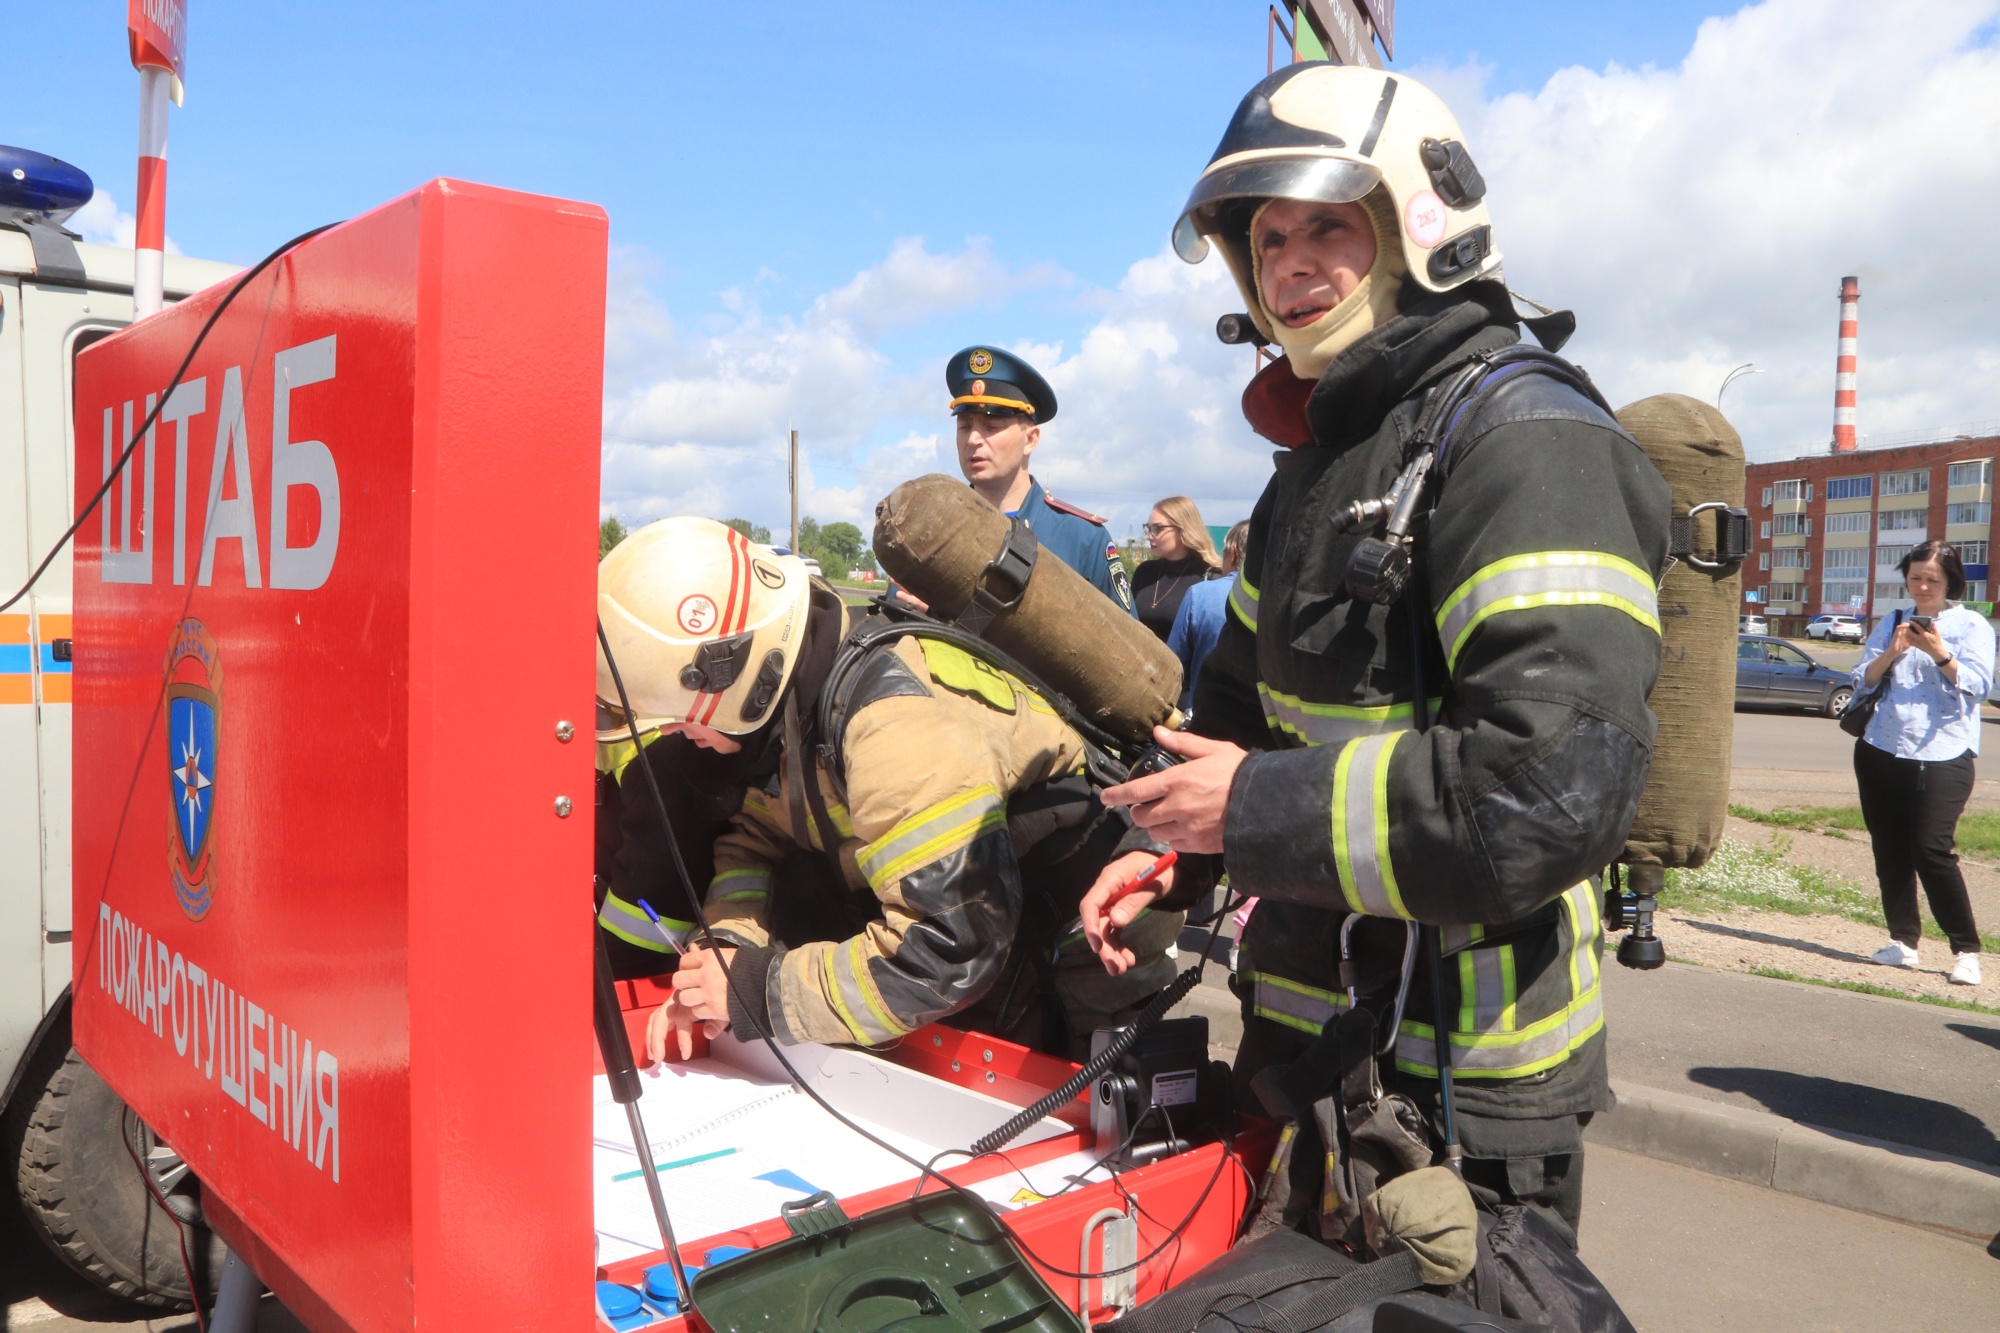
(1328, 180)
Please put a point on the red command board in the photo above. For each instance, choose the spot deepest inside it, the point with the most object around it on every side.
(332, 934)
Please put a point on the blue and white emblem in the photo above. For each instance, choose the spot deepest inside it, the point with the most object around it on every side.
(194, 733)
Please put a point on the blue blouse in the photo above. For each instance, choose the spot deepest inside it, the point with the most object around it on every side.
(1922, 715)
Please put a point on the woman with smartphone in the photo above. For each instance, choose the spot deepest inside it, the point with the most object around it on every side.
(1914, 765)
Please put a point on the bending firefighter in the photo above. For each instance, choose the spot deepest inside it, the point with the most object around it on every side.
(1430, 708)
(915, 827)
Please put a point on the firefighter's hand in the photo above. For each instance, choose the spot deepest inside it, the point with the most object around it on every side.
(701, 996)
(1110, 906)
(1184, 806)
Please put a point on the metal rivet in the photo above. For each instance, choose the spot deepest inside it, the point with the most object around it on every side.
(989, 1076)
(564, 731)
(936, 1040)
(562, 807)
(954, 1066)
(987, 1056)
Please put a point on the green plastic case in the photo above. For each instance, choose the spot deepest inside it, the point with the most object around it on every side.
(935, 1264)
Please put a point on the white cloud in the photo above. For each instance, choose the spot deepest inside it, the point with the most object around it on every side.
(102, 222)
(1702, 216)
(1696, 217)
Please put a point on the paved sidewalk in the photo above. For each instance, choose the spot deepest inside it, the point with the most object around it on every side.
(1889, 1069)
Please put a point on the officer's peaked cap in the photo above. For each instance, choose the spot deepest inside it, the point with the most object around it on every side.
(986, 379)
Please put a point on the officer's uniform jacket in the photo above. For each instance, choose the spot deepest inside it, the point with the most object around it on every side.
(934, 745)
(1532, 623)
(1080, 539)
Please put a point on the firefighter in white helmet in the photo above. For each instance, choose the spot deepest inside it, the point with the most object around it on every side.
(909, 851)
(1443, 722)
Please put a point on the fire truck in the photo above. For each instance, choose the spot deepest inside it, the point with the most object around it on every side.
(64, 1135)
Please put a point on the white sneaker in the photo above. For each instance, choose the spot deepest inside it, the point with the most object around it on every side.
(1965, 972)
(1895, 954)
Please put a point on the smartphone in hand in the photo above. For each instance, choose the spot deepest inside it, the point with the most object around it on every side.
(1921, 622)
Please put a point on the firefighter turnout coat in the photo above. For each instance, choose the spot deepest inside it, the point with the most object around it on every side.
(1530, 625)
(956, 808)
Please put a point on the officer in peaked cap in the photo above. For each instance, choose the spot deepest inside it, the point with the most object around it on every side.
(1001, 402)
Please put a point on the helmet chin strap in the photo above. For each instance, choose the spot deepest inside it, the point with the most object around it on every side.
(1372, 303)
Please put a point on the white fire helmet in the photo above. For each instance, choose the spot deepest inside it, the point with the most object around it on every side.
(1318, 131)
(705, 623)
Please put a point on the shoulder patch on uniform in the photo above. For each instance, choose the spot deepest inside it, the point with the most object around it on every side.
(962, 673)
(1069, 508)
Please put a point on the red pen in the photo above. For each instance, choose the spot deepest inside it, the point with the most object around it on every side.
(1152, 872)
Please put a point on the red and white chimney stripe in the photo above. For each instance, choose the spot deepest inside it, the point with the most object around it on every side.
(1844, 440)
(149, 258)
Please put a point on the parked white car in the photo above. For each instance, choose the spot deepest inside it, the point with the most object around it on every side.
(1847, 628)
(1752, 625)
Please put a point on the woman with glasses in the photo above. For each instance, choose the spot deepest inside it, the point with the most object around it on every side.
(1183, 555)
(1914, 765)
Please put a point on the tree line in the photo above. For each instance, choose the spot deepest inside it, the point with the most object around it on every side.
(839, 547)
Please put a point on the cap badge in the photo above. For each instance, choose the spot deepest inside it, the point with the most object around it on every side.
(978, 388)
(980, 362)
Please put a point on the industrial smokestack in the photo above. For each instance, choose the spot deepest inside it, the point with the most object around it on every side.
(1843, 378)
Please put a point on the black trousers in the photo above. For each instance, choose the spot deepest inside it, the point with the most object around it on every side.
(1912, 809)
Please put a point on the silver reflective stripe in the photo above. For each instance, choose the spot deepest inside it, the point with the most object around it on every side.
(1546, 578)
(740, 886)
(1540, 1046)
(633, 926)
(1580, 904)
(1454, 938)
(933, 832)
(1292, 1004)
(1361, 827)
(844, 967)
(1486, 989)
(1243, 601)
(1332, 724)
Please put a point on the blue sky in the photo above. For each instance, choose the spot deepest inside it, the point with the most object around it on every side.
(757, 161)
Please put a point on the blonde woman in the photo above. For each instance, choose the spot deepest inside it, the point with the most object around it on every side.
(1183, 555)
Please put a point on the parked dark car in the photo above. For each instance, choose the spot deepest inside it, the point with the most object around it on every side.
(1771, 673)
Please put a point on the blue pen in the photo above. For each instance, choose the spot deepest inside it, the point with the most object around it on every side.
(677, 940)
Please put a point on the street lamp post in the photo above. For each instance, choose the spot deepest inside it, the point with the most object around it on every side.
(1747, 368)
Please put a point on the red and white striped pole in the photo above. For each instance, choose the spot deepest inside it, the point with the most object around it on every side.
(1844, 440)
(149, 259)
(157, 33)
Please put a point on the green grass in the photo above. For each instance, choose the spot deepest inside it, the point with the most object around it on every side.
(1863, 988)
(1763, 879)
(1978, 830)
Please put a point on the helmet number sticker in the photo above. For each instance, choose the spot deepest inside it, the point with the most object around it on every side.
(697, 614)
(1423, 218)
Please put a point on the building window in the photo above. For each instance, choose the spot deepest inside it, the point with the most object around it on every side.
(1767, 497)
(1902, 520)
(1767, 529)
(1850, 488)
(1785, 592)
(1790, 492)
(1791, 557)
(1846, 558)
(1907, 483)
(1764, 560)
(1978, 512)
(1794, 525)
(1979, 473)
(1975, 591)
(1859, 522)
(1847, 593)
(1971, 553)
(1891, 592)
(1888, 557)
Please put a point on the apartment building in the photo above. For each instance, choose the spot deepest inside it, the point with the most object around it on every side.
(1827, 530)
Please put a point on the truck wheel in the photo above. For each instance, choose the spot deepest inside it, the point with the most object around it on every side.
(81, 1190)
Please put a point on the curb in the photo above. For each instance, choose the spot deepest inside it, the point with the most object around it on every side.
(1931, 1190)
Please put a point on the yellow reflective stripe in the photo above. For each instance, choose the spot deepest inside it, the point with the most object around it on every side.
(1331, 724)
(931, 833)
(633, 926)
(857, 963)
(1510, 1015)
(613, 757)
(1486, 998)
(834, 997)
(1546, 578)
(748, 885)
(1243, 601)
(1361, 827)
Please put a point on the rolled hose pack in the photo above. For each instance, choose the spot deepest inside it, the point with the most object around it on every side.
(936, 537)
(1686, 799)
